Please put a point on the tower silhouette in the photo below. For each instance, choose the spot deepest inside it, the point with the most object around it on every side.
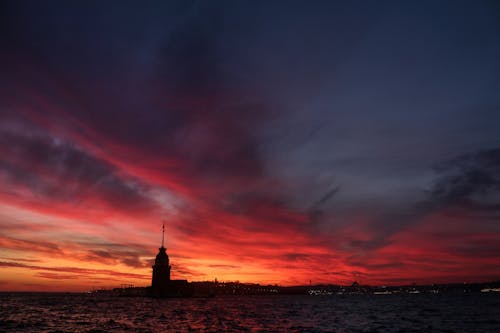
(161, 269)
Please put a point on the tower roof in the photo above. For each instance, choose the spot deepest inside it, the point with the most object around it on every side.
(162, 256)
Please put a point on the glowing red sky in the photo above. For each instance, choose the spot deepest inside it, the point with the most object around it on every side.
(328, 144)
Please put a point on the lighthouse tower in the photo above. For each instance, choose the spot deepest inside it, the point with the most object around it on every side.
(161, 269)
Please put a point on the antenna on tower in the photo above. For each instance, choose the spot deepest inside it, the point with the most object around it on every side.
(162, 234)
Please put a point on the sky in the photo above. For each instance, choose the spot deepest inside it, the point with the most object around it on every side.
(281, 142)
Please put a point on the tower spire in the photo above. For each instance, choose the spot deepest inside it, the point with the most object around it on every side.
(162, 234)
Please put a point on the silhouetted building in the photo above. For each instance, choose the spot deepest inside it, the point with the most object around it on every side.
(161, 284)
(161, 272)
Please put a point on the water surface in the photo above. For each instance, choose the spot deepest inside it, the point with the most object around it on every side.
(472, 312)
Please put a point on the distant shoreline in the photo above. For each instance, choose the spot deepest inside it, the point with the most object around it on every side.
(237, 288)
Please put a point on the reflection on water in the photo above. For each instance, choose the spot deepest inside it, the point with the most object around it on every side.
(474, 312)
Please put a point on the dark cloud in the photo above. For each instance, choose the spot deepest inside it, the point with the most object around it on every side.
(316, 210)
(108, 253)
(479, 248)
(467, 186)
(113, 254)
(189, 107)
(192, 59)
(470, 182)
(57, 170)
(179, 270)
(224, 266)
(101, 254)
(75, 270)
(42, 246)
(209, 115)
(297, 256)
(326, 197)
(21, 259)
(56, 276)
(249, 203)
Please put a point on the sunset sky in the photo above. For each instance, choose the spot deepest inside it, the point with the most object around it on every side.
(281, 142)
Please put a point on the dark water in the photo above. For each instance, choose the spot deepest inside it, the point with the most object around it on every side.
(475, 312)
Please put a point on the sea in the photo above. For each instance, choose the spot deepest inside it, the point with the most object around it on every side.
(58, 313)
